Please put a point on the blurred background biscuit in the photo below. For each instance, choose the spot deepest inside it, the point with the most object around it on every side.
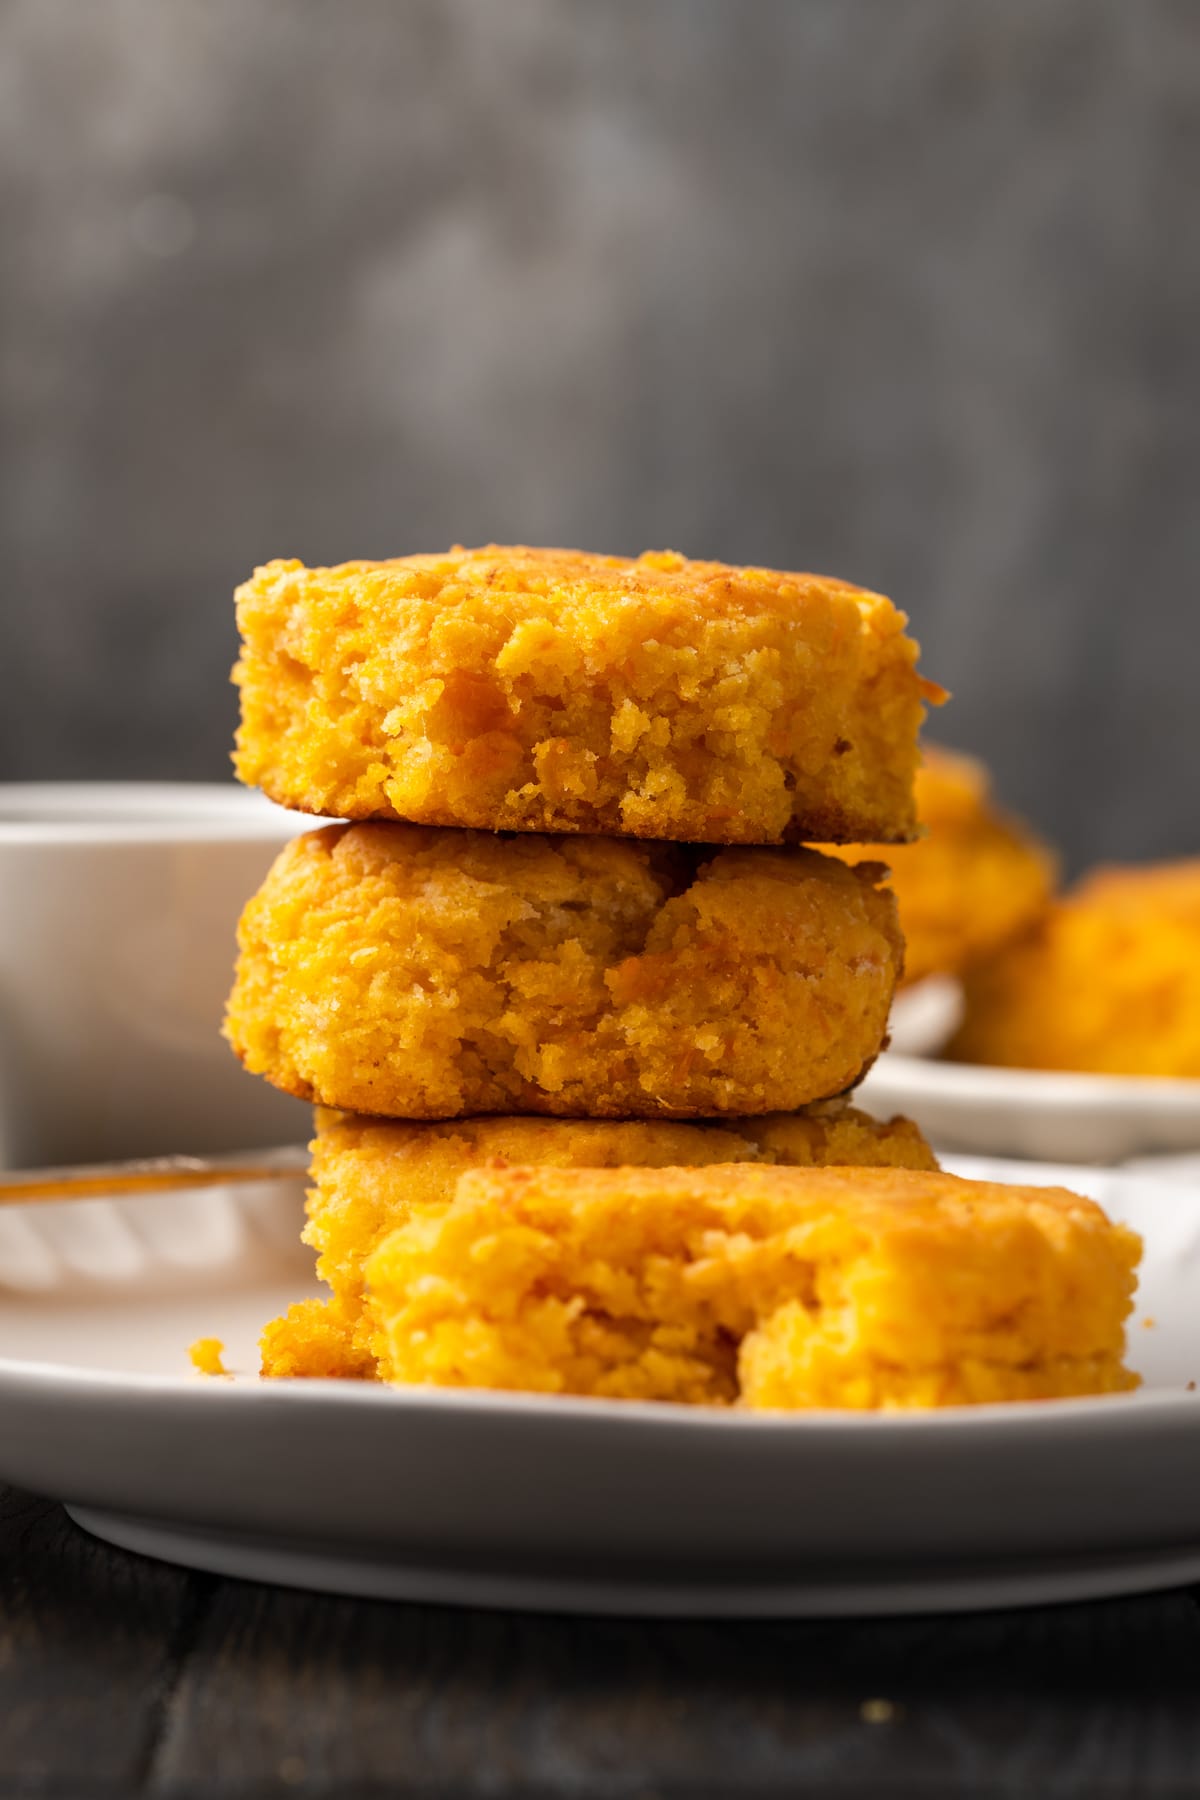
(977, 879)
(1109, 982)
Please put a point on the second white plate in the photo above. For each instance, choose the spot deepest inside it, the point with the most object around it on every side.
(1036, 1112)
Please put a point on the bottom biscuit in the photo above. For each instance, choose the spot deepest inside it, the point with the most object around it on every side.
(371, 1175)
(769, 1288)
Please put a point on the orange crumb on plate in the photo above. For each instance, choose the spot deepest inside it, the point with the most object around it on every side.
(206, 1356)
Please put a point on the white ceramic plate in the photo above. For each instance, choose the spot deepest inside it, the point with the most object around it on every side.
(1020, 1112)
(565, 1504)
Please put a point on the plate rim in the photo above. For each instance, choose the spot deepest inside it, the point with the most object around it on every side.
(53, 814)
(1011, 1417)
(191, 1389)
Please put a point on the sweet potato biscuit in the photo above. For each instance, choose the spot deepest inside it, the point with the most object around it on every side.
(550, 690)
(978, 880)
(779, 1288)
(372, 1175)
(417, 973)
(1109, 982)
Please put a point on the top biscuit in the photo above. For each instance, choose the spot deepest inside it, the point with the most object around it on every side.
(554, 691)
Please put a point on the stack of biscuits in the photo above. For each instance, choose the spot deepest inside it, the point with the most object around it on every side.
(580, 1013)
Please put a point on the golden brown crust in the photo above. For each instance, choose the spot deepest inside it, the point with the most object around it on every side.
(415, 973)
(508, 688)
(979, 878)
(768, 1287)
(372, 1175)
(1109, 982)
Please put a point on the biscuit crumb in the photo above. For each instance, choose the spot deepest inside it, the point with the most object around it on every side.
(206, 1356)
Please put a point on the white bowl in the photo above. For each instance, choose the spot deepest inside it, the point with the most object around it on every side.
(118, 907)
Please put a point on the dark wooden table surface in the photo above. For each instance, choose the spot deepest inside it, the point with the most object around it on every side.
(120, 1676)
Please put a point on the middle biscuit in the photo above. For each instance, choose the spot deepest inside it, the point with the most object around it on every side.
(415, 972)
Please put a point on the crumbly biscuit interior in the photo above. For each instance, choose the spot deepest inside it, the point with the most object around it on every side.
(768, 1288)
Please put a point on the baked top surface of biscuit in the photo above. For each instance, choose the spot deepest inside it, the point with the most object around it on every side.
(422, 973)
(1108, 983)
(371, 1175)
(509, 688)
(979, 879)
(770, 1287)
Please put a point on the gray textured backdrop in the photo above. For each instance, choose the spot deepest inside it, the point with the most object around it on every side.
(903, 290)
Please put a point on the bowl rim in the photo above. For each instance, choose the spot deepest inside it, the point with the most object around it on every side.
(49, 813)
